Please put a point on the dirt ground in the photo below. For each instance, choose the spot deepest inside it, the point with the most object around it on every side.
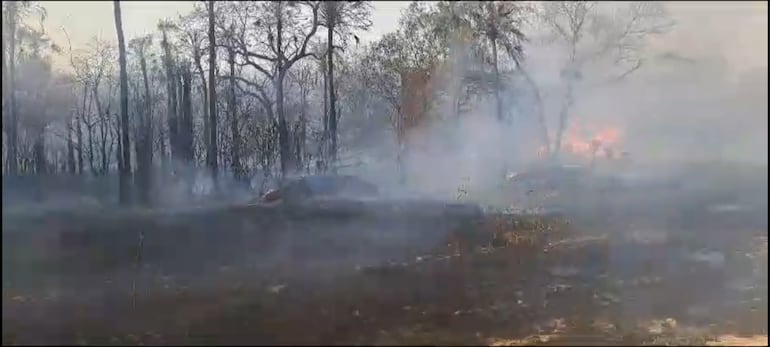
(627, 281)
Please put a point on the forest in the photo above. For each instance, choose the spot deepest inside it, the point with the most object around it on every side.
(237, 90)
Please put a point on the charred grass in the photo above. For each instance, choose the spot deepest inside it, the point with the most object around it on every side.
(501, 280)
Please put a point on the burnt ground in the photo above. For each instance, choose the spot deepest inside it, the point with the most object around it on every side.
(661, 269)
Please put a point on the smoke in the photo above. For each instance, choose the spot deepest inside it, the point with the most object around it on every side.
(700, 95)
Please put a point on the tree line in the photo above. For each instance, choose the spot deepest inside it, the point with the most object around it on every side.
(275, 88)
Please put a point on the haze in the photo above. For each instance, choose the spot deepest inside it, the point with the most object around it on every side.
(734, 30)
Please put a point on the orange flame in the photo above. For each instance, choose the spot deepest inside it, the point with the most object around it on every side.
(589, 141)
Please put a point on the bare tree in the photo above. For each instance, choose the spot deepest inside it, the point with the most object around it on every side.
(192, 29)
(12, 17)
(81, 75)
(280, 19)
(305, 79)
(125, 147)
(97, 67)
(6, 88)
(144, 133)
(104, 125)
(185, 126)
(232, 105)
(211, 153)
(171, 89)
(70, 146)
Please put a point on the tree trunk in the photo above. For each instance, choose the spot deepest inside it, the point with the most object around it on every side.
(186, 123)
(283, 131)
(125, 174)
(184, 75)
(103, 143)
(39, 154)
(70, 148)
(91, 162)
(90, 125)
(332, 95)
(235, 147)
(205, 102)
(5, 102)
(186, 131)
(164, 158)
(173, 120)
(212, 148)
(144, 141)
(103, 118)
(119, 150)
(563, 113)
(79, 131)
(171, 101)
(568, 100)
(325, 136)
(303, 130)
(498, 101)
(13, 133)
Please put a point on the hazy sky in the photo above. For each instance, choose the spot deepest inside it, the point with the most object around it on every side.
(85, 19)
(735, 30)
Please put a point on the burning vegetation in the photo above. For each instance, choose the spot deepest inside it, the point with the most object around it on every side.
(590, 143)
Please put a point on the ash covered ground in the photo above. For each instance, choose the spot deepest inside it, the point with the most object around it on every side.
(675, 258)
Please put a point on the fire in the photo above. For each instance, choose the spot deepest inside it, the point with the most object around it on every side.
(591, 141)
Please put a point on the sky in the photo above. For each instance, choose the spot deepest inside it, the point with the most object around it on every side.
(736, 29)
(85, 19)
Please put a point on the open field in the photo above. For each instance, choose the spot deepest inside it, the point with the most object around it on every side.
(656, 267)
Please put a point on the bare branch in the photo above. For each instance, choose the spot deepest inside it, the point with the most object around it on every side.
(302, 51)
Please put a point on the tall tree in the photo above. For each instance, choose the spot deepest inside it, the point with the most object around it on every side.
(305, 79)
(5, 87)
(70, 147)
(97, 68)
(12, 14)
(80, 67)
(144, 131)
(171, 89)
(276, 21)
(185, 126)
(192, 30)
(212, 149)
(340, 18)
(125, 169)
(232, 108)
(498, 24)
